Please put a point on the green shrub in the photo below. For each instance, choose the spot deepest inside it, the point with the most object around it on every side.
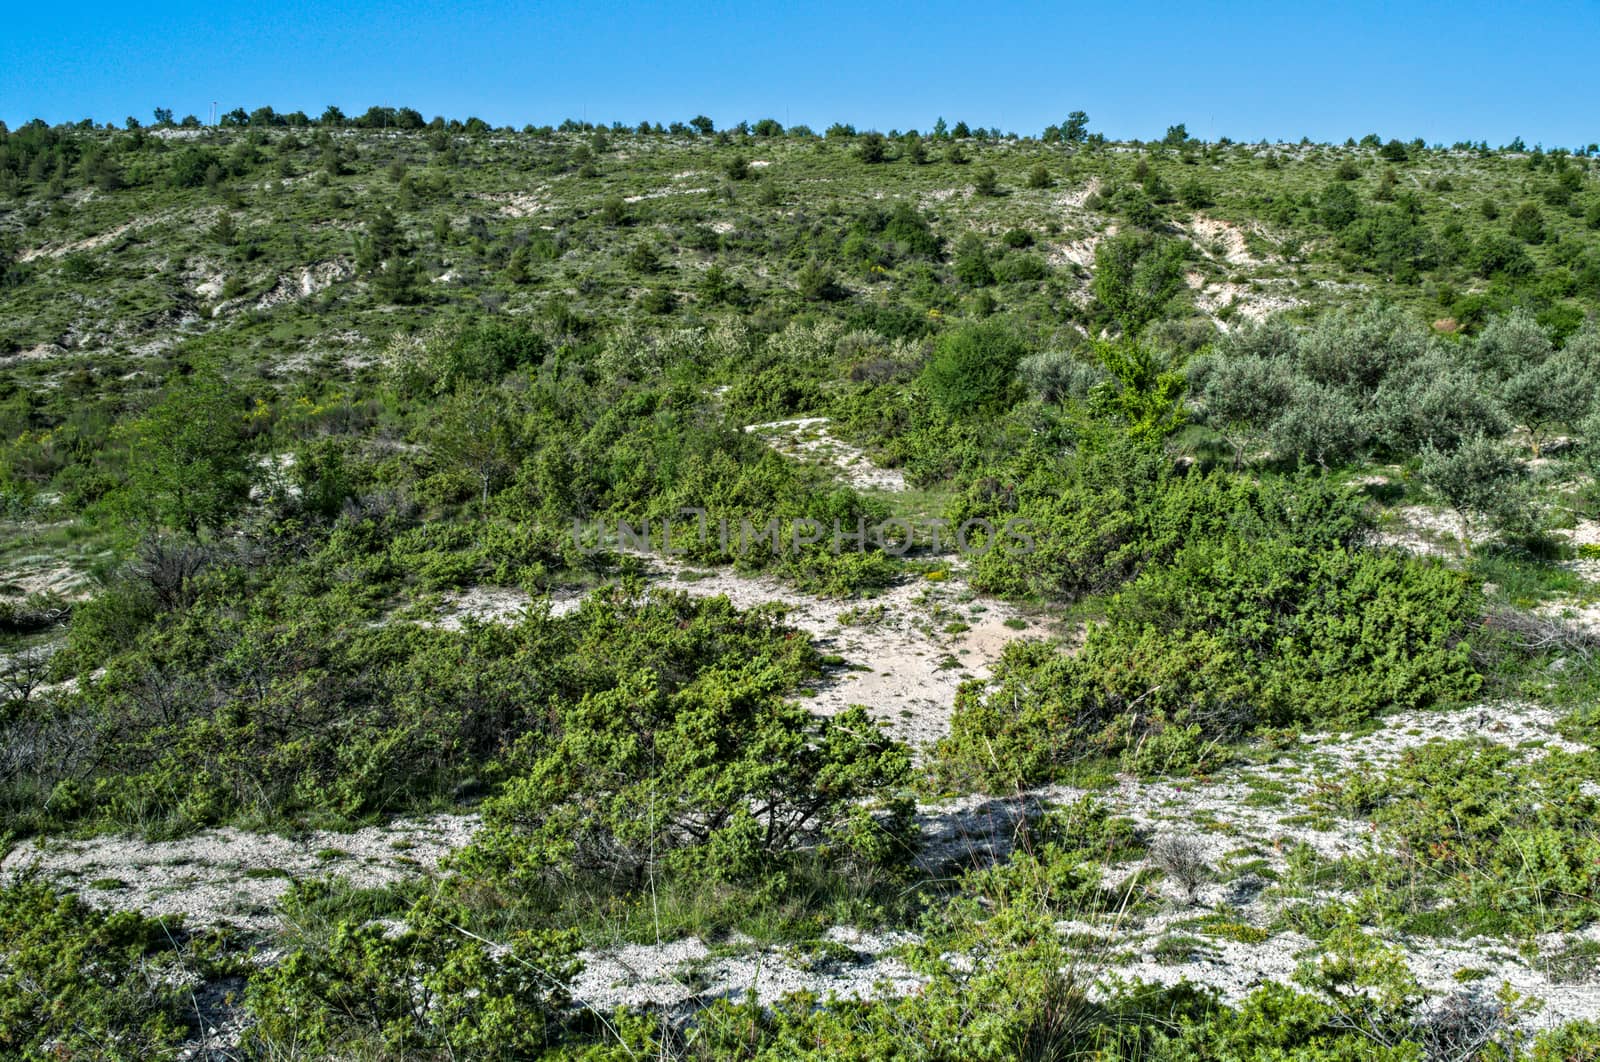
(76, 982)
(1118, 505)
(973, 368)
(719, 779)
(1498, 831)
(1135, 276)
(1231, 635)
(426, 989)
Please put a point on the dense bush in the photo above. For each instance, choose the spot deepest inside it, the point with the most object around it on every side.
(429, 988)
(1135, 276)
(1232, 634)
(1374, 380)
(712, 775)
(1118, 504)
(973, 369)
(215, 716)
(1495, 830)
(284, 411)
(79, 983)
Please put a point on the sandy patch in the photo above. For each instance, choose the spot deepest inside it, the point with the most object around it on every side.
(1428, 532)
(1075, 198)
(234, 876)
(905, 652)
(807, 439)
(1210, 234)
(1245, 300)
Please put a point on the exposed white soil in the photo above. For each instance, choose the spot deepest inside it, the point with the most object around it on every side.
(1074, 199)
(91, 243)
(1249, 301)
(663, 193)
(899, 660)
(42, 575)
(1209, 233)
(230, 876)
(38, 352)
(905, 653)
(686, 973)
(111, 235)
(807, 439)
(308, 282)
(1429, 532)
(483, 604)
(514, 204)
(1224, 827)
(234, 877)
(1074, 252)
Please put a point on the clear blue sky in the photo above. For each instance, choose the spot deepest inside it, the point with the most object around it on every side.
(1442, 71)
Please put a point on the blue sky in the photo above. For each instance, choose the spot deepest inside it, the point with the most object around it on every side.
(1444, 72)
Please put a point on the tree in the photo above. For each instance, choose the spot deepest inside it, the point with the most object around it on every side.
(1556, 390)
(1436, 402)
(1482, 482)
(189, 466)
(768, 127)
(702, 125)
(397, 280)
(475, 432)
(1177, 135)
(1356, 351)
(721, 780)
(972, 262)
(1194, 194)
(973, 369)
(163, 116)
(1527, 223)
(385, 256)
(1338, 206)
(1242, 397)
(1076, 128)
(1497, 254)
(1142, 389)
(817, 283)
(986, 183)
(1135, 275)
(1321, 424)
(1039, 177)
(873, 148)
(1511, 344)
(717, 288)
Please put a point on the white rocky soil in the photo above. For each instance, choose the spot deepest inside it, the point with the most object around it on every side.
(905, 653)
(807, 439)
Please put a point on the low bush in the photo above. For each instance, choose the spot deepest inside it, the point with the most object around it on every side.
(427, 988)
(76, 982)
(1229, 636)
